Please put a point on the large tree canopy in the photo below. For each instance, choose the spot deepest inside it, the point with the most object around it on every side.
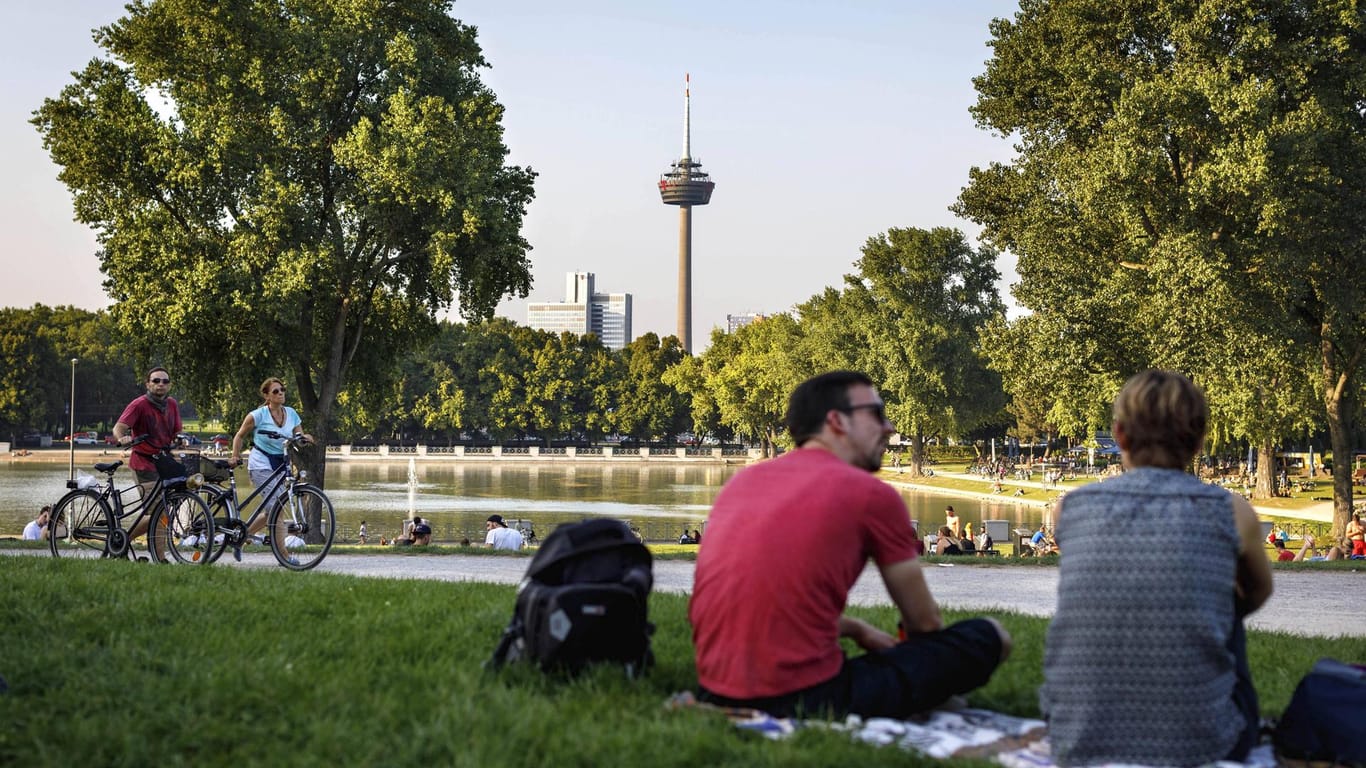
(1190, 190)
(911, 317)
(290, 187)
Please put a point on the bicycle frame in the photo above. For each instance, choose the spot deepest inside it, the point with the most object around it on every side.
(283, 496)
(281, 479)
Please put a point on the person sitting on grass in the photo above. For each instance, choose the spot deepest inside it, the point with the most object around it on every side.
(1145, 660)
(786, 540)
(946, 544)
(36, 530)
(422, 532)
(405, 536)
(500, 536)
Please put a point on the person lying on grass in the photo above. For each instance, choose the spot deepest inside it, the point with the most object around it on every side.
(786, 540)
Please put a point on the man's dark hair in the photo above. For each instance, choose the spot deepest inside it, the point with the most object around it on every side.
(817, 396)
(153, 370)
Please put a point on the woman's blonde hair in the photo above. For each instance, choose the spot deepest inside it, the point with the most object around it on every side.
(268, 383)
(1163, 416)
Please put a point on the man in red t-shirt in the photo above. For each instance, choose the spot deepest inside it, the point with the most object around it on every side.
(157, 415)
(787, 539)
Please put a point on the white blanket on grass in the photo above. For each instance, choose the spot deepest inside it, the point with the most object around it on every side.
(1013, 742)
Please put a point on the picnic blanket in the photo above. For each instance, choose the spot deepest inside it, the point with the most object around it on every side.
(1013, 742)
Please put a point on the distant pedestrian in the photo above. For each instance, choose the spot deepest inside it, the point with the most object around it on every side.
(364, 532)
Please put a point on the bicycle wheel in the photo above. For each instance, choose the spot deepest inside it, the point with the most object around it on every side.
(303, 513)
(184, 528)
(80, 526)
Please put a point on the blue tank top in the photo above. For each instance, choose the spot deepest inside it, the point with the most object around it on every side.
(1136, 664)
(265, 422)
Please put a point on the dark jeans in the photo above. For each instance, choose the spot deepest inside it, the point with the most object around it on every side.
(916, 675)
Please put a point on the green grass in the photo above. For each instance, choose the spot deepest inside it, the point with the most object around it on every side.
(118, 663)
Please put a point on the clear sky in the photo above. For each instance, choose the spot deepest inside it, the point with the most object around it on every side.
(822, 125)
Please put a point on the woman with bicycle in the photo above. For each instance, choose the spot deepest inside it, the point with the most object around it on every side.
(267, 453)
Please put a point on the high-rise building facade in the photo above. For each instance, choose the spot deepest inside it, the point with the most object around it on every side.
(585, 311)
(736, 322)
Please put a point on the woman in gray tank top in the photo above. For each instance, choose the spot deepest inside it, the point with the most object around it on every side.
(1145, 660)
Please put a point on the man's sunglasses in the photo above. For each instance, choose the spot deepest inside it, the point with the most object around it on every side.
(160, 381)
(879, 410)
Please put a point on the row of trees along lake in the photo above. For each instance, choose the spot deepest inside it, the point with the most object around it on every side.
(302, 193)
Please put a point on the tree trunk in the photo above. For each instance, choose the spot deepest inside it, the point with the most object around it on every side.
(918, 453)
(1265, 486)
(1338, 404)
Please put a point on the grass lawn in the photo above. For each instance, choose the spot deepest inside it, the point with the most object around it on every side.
(119, 663)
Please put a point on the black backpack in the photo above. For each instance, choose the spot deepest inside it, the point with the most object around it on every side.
(583, 600)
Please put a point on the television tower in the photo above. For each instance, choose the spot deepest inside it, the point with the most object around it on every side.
(685, 185)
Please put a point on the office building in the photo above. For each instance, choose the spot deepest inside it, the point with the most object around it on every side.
(585, 311)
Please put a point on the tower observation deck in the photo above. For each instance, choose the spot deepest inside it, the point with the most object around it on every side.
(685, 185)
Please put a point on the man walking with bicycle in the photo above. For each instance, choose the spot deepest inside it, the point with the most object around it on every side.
(156, 415)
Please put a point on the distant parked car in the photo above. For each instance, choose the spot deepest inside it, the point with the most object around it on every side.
(84, 438)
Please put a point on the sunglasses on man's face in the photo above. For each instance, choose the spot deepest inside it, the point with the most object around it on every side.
(160, 381)
(879, 410)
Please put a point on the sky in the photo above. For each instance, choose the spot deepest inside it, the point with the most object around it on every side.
(821, 124)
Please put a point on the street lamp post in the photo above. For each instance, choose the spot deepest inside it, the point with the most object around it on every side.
(71, 431)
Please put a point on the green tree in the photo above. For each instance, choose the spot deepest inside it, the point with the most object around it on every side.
(505, 377)
(910, 317)
(1052, 375)
(36, 348)
(1189, 181)
(648, 406)
(28, 400)
(290, 186)
(751, 374)
(688, 378)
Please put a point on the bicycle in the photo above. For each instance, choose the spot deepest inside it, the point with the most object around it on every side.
(297, 509)
(89, 521)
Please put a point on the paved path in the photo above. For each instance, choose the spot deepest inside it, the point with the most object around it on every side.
(1297, 606)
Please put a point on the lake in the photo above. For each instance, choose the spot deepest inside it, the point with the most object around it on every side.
(660, 500)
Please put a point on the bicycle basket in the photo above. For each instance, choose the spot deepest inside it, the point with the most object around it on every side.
(212, 473)
(171, 466)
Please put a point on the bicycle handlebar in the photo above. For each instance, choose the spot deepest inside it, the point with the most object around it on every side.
(282, 436)
(140, 439)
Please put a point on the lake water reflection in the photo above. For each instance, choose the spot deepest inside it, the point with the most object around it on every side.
(660, 499)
